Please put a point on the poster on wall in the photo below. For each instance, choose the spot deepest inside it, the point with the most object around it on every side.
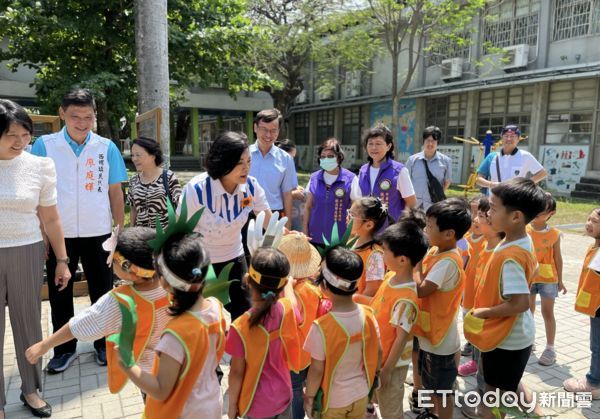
(565, 164)
(455, 152)
(405, 133)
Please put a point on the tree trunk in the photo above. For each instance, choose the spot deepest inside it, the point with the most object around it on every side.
(152, 55)
(395, 96)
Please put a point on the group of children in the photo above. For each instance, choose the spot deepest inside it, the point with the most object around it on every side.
(329, 336)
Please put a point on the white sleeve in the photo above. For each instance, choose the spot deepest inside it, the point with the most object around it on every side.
(532, 165)
(101, 319)
(514, 280)
(403, 316)
(405, 186)
(260, 199)
(191, 199)
(443, 274)
(355, 192)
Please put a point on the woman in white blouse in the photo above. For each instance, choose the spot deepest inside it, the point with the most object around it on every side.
(228, 194)
(27, 191)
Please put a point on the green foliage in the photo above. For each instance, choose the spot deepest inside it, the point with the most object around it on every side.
(91, 44)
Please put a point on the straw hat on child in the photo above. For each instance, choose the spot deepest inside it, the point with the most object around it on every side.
(304, 258)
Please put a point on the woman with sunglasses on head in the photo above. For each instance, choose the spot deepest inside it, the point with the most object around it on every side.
(383, 177)
(328, 196)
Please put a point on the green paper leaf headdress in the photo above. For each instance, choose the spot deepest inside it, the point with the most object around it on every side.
(335, 240)
(175, 225)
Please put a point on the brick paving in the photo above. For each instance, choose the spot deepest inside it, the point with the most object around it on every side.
(82, 392)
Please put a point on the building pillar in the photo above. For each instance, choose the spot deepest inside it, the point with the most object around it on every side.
(470, 131)
(544, 36)
(539, 114)
(250, 126)
(338, 124)
(420, 122)
(195, 132)
(312, 138)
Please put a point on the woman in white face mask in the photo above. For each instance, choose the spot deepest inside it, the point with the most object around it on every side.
(328, 197)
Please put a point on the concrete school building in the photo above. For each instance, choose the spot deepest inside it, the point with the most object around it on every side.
(200, 117)
(548, 83)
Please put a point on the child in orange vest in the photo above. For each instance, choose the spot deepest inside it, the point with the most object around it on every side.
(304, 262)
(183, 382)
(475, 243)
(263, 342)
(132, 262)
(396, 309)
(548, 281)
(588, 302)
(440, 293)
(368, 215)
(344, 344)
(500, 324)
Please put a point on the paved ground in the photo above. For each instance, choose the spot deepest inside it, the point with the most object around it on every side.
(81, 391)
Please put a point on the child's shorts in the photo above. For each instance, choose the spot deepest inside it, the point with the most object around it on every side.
(438, 372)
(503, 369)
(545, 290)
(391, 398)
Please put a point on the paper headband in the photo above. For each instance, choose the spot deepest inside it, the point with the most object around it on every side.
(337, 282)
(129, 267)
(265, 280)
(174, 280)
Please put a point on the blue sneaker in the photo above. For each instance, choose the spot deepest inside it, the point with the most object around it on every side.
(60, 363)
(101, 357)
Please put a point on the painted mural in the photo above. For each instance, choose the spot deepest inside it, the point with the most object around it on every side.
(405, 133)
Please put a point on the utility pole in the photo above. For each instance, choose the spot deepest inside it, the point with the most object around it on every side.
(152, 56)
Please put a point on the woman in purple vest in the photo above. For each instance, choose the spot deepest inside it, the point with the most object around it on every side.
(328, 197)
(382, 176)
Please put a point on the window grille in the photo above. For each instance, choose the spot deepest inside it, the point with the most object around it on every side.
(511, 22)
(574, 18)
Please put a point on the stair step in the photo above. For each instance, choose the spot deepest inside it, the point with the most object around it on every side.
(592, 196)
(587, 187)
(590, 179)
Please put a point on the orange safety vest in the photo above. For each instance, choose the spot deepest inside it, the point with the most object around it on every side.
(337, 340)
(487, 334)
(146, 312)
(364, 253)
(439, 309)
(309, 297)
(484, 259)
(193, 334)
(476, 247)
(383, 304)
(543, 243)
(588, 290)
(256, 346)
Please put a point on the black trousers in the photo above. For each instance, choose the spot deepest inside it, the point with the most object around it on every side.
(240, 302)
(97, 274)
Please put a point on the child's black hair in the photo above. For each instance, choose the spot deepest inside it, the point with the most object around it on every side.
(550, 202)
(451, 214)
(520, 194)
(372, 209)
(406, 238)
(344, 263)
(183, 254)
(271, 263)
(133, 245)
(414, 215)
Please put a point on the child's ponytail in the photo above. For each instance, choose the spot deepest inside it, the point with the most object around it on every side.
(373, 209)
(267, 277)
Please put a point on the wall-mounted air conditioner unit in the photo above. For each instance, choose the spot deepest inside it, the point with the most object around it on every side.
(452, 69)
(515, 57)
(353, 83)
(324, 95)
(301, 98)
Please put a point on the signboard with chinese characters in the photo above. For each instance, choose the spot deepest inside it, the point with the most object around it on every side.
(565, 164)
(455, 152)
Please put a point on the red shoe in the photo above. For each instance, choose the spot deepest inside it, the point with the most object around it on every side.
(468, 368)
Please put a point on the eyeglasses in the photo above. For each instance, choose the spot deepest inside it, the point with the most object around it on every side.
(264, 131)
(353, 217)
(328, 156)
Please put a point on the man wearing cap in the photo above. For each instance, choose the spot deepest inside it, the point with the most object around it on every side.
(509, 162)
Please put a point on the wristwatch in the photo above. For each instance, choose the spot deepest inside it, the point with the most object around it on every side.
(63, 260)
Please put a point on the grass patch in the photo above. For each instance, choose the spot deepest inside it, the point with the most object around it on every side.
(568, 210)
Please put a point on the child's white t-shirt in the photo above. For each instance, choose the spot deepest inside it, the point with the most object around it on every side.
(514, 281)
(206, 400)
(445, 275)
(404, 317)
(103, 318)
(349, 381)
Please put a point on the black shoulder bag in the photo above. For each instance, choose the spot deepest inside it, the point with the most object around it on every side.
(165, 182)
(436, 190)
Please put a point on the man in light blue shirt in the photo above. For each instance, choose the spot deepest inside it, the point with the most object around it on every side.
(89, 172)
(272, 167)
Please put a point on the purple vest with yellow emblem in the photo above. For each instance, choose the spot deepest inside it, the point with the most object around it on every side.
(385, 185)
(330, 204)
